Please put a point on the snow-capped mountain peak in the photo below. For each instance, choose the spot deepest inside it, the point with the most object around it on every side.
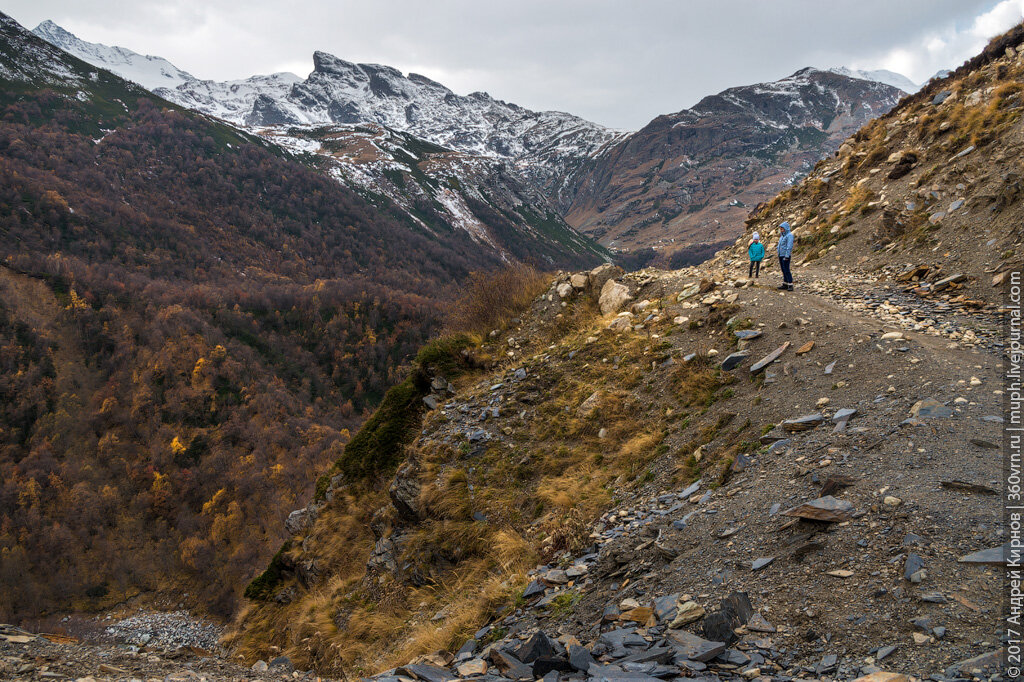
(342, 92)
(896, 80)
(148, 71)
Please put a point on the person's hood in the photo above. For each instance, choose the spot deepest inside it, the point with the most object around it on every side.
(757, 237)
(785, 226)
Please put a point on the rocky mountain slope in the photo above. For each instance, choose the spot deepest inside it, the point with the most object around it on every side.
(691, 177)
(624, 495)
(638, 485)
(686, 180)
(446, 165)
(927, 195)
(695, 474)
(440, 189)
(148, 71)
(337, 91)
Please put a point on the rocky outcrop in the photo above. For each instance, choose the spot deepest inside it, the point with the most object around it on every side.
(405, 492)
(299, 520)
(613, 297)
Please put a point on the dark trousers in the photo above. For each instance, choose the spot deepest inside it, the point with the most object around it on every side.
(787, 277)
(755, 269)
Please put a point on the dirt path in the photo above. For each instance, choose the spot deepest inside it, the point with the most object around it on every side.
(841, 589)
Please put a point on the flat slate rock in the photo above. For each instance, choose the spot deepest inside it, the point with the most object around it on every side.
(427, 673)
(934, 598)
(804, 423)
(758, 564)
(693, 647)
(747, 334)
(996, 556)
(884, 651)
(734, 360)
(806, 348)
(844, 414)
(538, 646)
(757, 623)
(946, 281)
(548, 664)
(649, 658)
(768, 359)
(534, 589)
(665, 607)
(734, 657)
(825, 508)
(930, 409)
(510, 666)
(600, 673)
(913, 564)
(835, 483)
(774, 435)
(690, 490)
(579, 658)
(621, 637)
(733, 612)
(966, 487)
(989, 662)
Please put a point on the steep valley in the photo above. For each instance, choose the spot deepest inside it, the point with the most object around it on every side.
(192, 324)
(615, 470)
(590, 475)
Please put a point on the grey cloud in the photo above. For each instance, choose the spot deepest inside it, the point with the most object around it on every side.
(617, 63)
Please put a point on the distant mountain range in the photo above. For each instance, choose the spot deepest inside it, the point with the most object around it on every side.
(693, 176)
(438, 154)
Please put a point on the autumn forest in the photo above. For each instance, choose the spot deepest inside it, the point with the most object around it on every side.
(191, 325)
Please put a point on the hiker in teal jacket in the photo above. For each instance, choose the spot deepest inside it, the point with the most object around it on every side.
(756, 253)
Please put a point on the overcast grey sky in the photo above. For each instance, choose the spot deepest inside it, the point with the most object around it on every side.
(618, 63)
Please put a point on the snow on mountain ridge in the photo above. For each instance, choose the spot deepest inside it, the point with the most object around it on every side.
(896, 80)
(34, 61)
(543, 144)
(148, 71)
(230, 100)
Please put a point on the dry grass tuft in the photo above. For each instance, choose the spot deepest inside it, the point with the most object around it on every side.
(491, 299)
(698, 382)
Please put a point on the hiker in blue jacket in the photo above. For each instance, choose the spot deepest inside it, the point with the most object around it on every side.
(785, 253)
(756, 253)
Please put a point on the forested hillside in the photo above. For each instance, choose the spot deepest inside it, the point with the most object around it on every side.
(190, 324)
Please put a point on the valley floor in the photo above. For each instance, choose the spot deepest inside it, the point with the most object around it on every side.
(24, 656)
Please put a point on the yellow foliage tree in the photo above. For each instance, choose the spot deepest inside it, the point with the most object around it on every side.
(177, 447)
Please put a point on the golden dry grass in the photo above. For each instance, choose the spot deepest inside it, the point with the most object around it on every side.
(540, 491)
(491, 299)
